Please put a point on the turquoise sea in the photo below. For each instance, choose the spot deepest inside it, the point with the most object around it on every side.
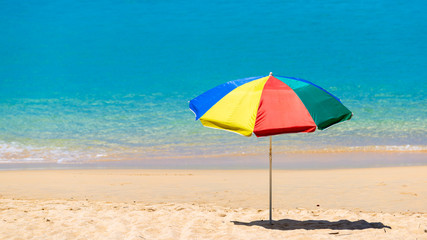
(86, 82)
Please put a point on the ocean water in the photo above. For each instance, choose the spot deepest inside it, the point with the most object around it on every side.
(95, 81)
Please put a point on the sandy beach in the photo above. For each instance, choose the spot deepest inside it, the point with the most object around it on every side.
(366, 203)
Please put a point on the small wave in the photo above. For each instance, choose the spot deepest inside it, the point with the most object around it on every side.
(19, 153)
(379, 148)
(393, 148)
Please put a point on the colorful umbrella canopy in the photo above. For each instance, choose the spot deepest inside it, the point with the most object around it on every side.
(268, 105)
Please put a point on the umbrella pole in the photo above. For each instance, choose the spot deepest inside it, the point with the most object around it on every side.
(271, 198)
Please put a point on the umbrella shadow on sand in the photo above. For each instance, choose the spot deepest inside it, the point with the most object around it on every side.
(289, 224)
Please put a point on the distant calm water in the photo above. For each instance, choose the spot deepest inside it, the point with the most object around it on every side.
(90, 80)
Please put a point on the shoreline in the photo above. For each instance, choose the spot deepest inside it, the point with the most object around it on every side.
(281, 161)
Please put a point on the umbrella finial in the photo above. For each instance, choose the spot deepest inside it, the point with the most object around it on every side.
(271, 73)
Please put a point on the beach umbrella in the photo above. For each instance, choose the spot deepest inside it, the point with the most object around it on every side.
(268, 105)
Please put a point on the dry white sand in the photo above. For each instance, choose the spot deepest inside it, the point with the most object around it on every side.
(375, 203)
